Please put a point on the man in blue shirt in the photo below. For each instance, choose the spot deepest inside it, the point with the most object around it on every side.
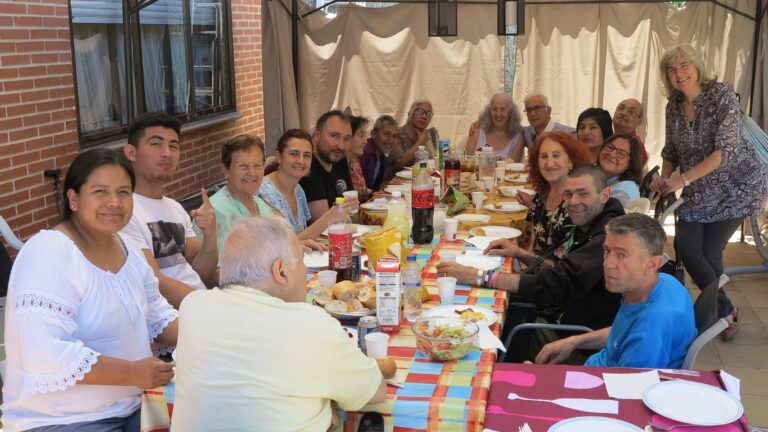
(655, 324)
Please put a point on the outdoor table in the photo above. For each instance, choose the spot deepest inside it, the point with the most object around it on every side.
(548, 382)
(448, 395)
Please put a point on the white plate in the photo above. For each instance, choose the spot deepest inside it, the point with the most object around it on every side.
(403, 188)
(516, 166)
(516, 178)
(482, 262)
(495, 232)
(449, 311)
(511, 191)
(472, 217)
(480, 242)
(316, 259)
(405, 174)
(693, 403)
(506, 207)
(359, 230)
(594, 424)
(376, 205)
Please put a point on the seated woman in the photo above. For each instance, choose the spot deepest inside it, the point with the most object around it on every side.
(621, 158)
(83, 311)
(353, 153)
(549, 161)
(593, 126)
(281, 189)
(499, 127)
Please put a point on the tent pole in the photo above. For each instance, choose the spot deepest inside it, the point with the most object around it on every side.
(755, 48)
(295, 45)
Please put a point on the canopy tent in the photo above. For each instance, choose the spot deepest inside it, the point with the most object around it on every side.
(579, 53)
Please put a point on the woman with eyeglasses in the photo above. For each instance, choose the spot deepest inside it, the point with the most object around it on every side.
(242, 158)
(707, 155)
(416, 132)
(498, 127)
(621, 158)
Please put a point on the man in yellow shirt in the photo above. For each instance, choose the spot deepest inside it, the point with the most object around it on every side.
(252, 355)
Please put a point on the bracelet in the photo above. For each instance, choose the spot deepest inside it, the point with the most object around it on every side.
(494, 280)
(212, 253)
(487, 278)
(479, 280)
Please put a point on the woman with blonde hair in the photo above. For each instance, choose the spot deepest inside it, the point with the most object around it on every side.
(498, 127)
(707, 155)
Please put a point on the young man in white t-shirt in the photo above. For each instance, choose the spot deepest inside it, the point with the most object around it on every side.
(159, 225)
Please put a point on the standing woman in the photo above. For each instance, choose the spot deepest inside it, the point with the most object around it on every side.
(83, 310)
(353, 153)
(281, 189)
(499, 127)
(719, 171)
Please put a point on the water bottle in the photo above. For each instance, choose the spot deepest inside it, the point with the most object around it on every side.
(421, 156)
(423, 207)
(411, 280)
(340, 240)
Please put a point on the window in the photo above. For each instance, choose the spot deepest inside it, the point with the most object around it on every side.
(168, 55)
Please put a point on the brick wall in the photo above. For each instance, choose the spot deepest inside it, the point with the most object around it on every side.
(38, 124)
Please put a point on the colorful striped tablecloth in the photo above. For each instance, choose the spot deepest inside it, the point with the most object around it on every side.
(438, 396)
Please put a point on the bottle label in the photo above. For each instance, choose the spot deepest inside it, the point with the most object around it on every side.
(340, 255)
(423, 198)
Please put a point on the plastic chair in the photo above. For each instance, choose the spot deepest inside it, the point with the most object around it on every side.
(9, 236)
(762, 249)
(708, 323)
(535, 326)
(640, 205)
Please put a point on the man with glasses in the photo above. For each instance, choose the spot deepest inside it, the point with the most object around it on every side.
(539, 116)
(626, 119)
(415, 133)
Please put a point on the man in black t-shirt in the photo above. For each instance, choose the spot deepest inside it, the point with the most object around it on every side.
(329, 174)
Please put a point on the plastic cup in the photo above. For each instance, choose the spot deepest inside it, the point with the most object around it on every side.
(376, 345)
(477, 199)
(450, 226)
(327, 278)
(488, 182)
(501, 164)
(499, 175)
(446, 287)
(447, 257)
(351, 195)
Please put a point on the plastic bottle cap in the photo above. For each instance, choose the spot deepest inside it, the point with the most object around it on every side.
(396, 194)
(421, 147)
(340, 200)
(411, 258)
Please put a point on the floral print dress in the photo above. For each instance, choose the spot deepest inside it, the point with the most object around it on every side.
(549, 227)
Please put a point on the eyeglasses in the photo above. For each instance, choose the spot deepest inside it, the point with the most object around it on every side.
(535, 108)
(499, 110)
(621, 154)
(242, 166)
(423, 112)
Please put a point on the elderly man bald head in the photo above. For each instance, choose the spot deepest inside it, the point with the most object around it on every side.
(627, 118)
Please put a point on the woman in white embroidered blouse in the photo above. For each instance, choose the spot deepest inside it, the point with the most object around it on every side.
(83, 310)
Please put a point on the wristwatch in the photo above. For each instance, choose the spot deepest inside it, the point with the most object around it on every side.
(685, 180)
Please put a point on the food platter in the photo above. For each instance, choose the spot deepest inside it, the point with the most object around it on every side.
(450, 311)
(347, 300)
(506, 207)
(520, 178)
(495, 231)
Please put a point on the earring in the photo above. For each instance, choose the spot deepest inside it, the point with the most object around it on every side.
(72, 206)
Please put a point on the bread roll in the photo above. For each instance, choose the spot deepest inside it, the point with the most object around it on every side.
(337, 306)
(388, 367)
(367, 295)
(323, 296)
(355, 305)
(344, 290)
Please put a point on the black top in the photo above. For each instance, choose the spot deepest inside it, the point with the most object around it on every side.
(573, 290)
(321, 184)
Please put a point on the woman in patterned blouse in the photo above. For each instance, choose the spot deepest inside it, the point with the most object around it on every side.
(719, 171)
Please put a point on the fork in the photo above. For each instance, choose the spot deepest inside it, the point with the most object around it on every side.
(665, 428)
(524, 428)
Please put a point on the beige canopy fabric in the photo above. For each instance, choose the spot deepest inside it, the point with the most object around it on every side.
(580, 55)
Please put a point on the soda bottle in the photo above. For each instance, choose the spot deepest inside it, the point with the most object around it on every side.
(340, 240)
(443, 151)
(421, 156)
(453, 169)
(396, 219)
(411, 279)
(422, 206)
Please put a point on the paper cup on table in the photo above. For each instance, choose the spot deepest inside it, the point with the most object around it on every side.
(499, 174)
(501, 164)
(450, 226)
(488, 183)
(477, 199)
(446, 287)
(447, 257)
(327, 278)
(376, 345)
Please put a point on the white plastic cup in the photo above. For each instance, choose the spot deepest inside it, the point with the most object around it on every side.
(446, 287)
(450, 226)
(501, 164)
(351, 195)
(327, 278)
(477, 199)
(488, 182)
(499, 175)
(447, 257)
(376, 345)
